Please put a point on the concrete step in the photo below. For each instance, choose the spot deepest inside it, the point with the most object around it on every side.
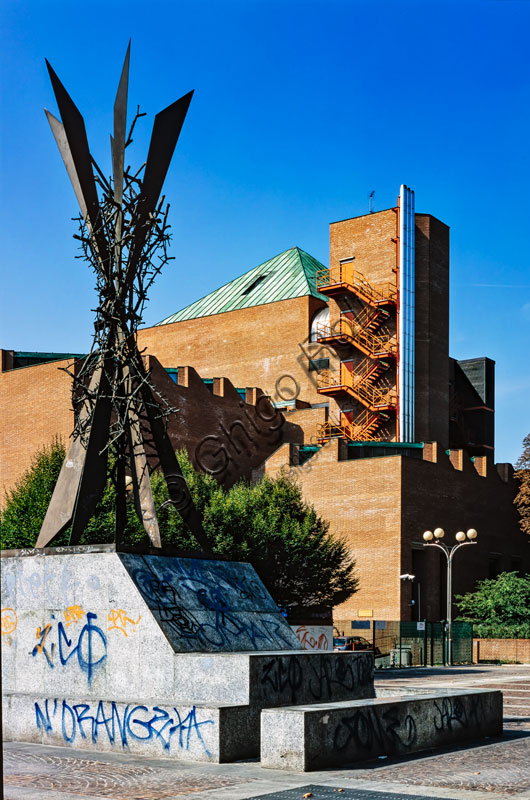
(184, 731)
(310, 737)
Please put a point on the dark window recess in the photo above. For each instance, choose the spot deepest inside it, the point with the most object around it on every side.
(516, 564)
(367, 451)
(318, 363)
(253, 285)
(494, 565)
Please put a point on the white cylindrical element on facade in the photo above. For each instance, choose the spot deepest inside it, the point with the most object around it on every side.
(406, 314)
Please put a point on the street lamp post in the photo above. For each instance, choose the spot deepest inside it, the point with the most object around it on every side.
(462, 539)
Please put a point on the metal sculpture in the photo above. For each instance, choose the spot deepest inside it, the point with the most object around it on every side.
(124, 236)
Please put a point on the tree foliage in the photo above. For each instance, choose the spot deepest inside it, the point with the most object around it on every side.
(267, 523)
(522, 476)
(499, 607)
(26, 504)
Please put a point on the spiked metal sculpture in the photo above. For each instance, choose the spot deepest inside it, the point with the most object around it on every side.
(124, 236)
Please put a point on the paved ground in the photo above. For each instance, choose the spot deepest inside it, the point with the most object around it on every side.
(496, 768)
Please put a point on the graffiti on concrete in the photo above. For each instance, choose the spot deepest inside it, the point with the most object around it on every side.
(199, 603)
(8, 621)
(104, 720)
(47, 586)
(319, 677)
(314, 637)
(89, 646)
(73, 614)
(119, 620)
(455, 712)
(367, 729)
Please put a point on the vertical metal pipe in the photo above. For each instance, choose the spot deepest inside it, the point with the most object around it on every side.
(406, 322)
(449, 609)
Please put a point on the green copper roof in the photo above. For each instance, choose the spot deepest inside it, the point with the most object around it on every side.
(291, 274)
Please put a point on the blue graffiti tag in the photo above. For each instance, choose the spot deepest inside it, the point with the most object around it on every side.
(90, 647)
(175, 589)
(157, 724)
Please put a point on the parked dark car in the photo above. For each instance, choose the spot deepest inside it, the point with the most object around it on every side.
(353, 643)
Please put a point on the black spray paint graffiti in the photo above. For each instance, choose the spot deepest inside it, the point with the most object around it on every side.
(451, 712)
(89, 646)
(134, 723)
(368, 730)
(171, 594)
(324, 677)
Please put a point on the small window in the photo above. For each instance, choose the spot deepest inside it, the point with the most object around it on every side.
(516, 564)
(253, 285)
(319, 324)
(318, 363)
(494, 565)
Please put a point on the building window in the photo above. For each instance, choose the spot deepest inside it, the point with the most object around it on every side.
(516, 564)
(494, 565)
(319, 323)
(317, 364)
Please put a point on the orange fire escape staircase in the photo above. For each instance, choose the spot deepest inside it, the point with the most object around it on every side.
(360, 332)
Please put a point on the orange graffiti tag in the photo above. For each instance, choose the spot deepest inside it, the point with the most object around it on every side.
(73, 614)
(119, 620)
(42, 634)
(8, 621)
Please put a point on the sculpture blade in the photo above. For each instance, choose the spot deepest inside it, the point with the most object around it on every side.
(120, 128)
(74, 127)
(176, 484)
(166, 131)
(94, 474)
(64, 148)
(143, 494)
(61, 508)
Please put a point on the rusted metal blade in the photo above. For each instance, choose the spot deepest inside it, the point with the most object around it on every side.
(74, 127)
(179, 492)
(166, 131)
(64, 148)
(61, 509)
(120, 128)
(143, 494)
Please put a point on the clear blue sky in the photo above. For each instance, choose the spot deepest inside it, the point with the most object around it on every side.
(301, 108)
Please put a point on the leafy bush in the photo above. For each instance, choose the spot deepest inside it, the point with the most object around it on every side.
(499, 607)
(267, 523)
(26, 504)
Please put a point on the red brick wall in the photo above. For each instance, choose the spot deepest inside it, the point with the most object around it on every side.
(382, 506)
(370, 240)
(501, 650)
(35, 406)
(432, 330)
(251, 346)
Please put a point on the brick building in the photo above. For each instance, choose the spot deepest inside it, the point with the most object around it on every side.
(386, 433)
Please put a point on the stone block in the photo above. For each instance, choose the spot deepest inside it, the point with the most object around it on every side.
(314, 737)
(188, 732)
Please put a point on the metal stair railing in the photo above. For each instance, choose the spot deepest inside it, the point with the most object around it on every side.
(370, 343)
(370, 396)
(356, 281)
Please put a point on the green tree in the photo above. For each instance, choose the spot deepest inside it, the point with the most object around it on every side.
(522, 476)
(499, 607)
(26, 504)
(267, 523)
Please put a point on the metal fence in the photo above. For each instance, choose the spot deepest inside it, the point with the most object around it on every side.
(410, 644)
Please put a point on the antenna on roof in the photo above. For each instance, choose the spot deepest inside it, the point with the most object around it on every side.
(370, 199)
